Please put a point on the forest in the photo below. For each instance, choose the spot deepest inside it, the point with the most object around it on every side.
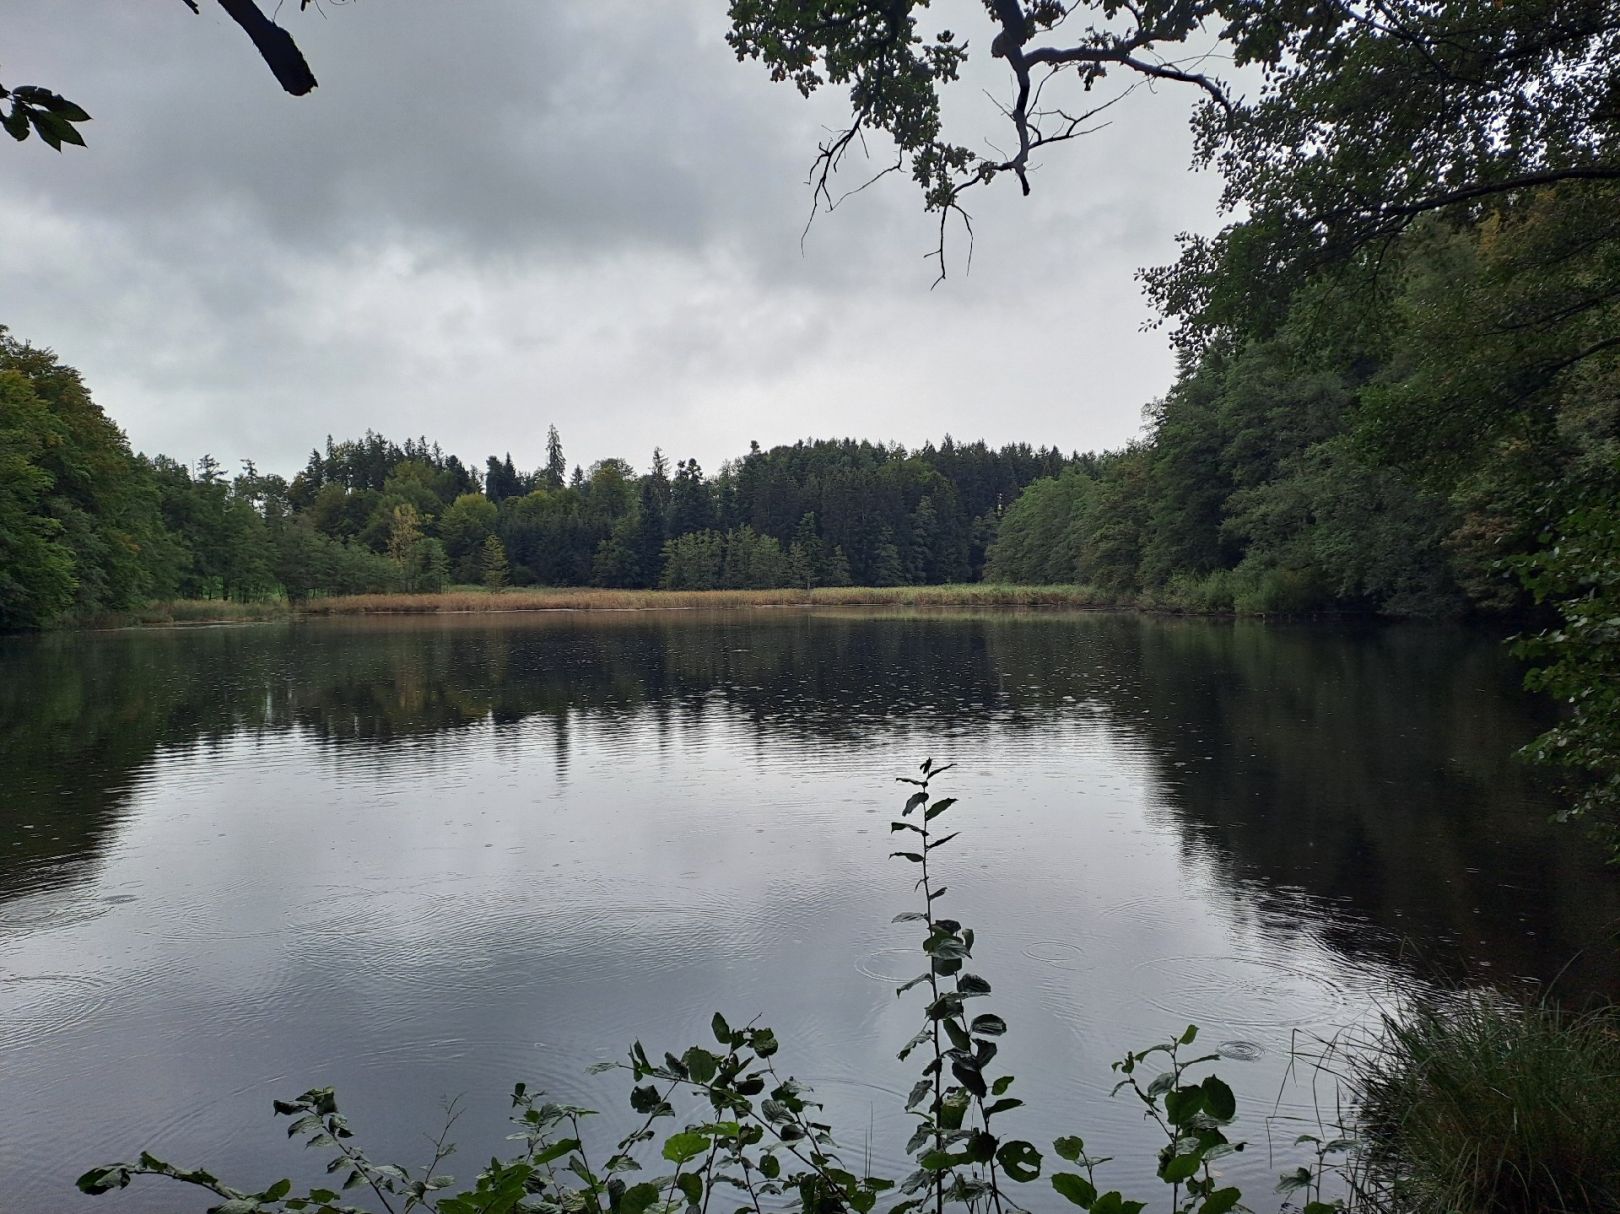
(87, 526)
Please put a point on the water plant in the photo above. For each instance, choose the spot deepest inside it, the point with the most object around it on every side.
(1488, 1105)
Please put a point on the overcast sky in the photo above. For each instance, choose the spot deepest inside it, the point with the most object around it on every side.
(495, 215)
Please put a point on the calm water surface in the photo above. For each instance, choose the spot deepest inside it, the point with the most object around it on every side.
(424, 858)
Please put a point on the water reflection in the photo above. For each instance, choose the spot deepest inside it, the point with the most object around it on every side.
(427, 856)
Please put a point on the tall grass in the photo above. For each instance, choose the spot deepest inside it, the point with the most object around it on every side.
(1488, 1107)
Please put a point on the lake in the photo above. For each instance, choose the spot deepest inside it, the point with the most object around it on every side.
(422, 858)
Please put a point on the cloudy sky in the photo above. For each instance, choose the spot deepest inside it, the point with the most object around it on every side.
(494, 215)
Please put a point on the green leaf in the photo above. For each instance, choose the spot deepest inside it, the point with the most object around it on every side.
(914, 800)
(66, 109)
(1020, 1160)
(1112, 1203)
(278, 1190)
(937, 808)
(722, 1030)
(1221, 1201)
(1181, 1167)
(1219, 1101)
(679, 1148)
(700, 1064)
(968, 1074)
(1290, 1182)
(1188, 1037)
(989, 1026)
(639, 1198)
(1183, 1104)
(645, 1099)
(969, 985)
(1076, 1188)
(556, 1151)
(691, 1184)
(1070, 1148)
(45, 128)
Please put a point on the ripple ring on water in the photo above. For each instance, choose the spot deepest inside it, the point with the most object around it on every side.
(1245, 991)
(1059, 954)
(1240, 1051)
(882, 964)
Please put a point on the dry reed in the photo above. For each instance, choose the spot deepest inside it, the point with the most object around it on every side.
(585, 599)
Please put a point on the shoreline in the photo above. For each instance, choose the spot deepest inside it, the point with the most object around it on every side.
(213, 612)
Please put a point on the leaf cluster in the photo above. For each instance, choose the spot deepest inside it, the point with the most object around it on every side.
(49, 115)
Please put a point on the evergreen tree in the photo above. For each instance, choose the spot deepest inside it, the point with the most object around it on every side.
(556, 465)
(647, 539)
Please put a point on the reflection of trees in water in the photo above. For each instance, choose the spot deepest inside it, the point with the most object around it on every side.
(81, 717)
(1374, 772)
(1369, 773)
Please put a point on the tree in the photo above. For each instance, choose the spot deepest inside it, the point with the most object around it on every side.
(1369, 114)
(36, 567)
(647, 538)
(493, 563)
(404, 532)
(693, 561)
(691, 505)
(83, 506)
(464, 527)
(556, 465)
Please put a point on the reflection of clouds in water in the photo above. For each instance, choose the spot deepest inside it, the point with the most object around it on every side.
(341, 882)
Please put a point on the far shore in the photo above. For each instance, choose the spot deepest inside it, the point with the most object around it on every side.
(564, 598)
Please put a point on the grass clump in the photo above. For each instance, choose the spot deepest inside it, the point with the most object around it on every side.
(1490, 1107)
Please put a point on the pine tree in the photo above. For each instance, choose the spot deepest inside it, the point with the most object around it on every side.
(556, 465)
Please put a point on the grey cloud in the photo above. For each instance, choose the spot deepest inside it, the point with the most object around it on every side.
(493, 215)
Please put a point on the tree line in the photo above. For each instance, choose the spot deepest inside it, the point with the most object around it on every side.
(88, 526)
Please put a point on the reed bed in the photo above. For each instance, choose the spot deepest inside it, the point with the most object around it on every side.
(585, 599)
